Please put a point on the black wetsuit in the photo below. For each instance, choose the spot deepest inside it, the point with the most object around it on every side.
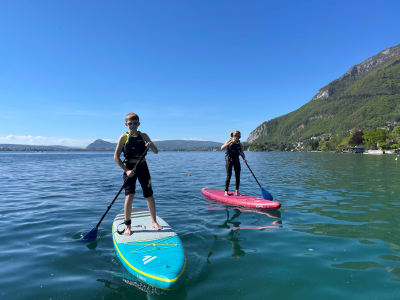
(232, 160)
(134, 147)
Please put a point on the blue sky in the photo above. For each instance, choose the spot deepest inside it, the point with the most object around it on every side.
(70, 70)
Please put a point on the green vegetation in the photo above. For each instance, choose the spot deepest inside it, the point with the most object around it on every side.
(395, 138)
(357, 101)
(377, 138)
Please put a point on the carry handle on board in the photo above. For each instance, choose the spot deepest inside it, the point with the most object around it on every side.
(92, 234)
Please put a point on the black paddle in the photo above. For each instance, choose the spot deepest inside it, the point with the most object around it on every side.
(264, 193)
(92, 234)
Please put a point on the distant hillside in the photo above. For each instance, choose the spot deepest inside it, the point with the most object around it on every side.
(98, 145)
(101, 144)
(168, 145)
(171, 145)
(367, 96)
(16, 147)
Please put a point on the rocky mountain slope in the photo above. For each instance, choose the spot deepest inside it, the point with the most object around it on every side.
(367, 96)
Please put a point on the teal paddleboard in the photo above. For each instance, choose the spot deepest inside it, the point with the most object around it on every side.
(155, 257)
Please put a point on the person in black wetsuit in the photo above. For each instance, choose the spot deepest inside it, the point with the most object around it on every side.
(133, 144)
(233, 149)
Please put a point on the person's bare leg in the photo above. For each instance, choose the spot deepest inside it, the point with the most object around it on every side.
(152, 208)
(127, 212)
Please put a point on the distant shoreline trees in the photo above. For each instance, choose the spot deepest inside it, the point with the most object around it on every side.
(372, 139)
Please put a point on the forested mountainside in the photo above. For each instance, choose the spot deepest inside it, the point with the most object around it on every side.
(366, 97)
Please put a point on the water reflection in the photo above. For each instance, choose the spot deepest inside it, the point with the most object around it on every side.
(341, 237)
(234, 226)
(230, 220)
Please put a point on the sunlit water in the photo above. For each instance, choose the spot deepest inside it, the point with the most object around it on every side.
(336, 236)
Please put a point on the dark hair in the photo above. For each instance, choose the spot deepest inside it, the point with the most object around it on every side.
(235, 133)
(131, 116)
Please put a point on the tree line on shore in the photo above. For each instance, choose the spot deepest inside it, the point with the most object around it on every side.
(372, 139)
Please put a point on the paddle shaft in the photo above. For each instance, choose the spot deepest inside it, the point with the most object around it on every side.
(253, 174)
(122, 187)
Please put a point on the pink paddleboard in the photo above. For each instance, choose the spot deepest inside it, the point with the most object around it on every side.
(241, 200)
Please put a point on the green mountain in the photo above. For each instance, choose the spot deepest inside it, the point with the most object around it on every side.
(367, 96)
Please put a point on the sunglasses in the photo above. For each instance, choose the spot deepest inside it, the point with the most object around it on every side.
(132, 123)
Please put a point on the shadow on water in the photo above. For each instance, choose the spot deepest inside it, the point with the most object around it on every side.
(233, 235)
(234, 226)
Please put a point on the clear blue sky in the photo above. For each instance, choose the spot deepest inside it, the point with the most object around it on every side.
(70, 70)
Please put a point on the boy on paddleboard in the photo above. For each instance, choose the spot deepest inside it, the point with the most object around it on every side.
(133, 144)
(233, 149)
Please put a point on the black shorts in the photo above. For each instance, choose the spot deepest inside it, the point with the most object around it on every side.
(142, 173)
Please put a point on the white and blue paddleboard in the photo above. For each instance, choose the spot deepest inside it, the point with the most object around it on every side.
(156, 257)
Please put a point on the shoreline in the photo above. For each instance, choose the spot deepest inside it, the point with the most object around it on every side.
(100, 150)
(373, 152)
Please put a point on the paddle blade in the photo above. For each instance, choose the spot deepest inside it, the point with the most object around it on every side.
(266, 195)
(91, 235)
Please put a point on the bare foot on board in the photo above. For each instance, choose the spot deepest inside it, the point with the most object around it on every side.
(127, 231)
(157, 226)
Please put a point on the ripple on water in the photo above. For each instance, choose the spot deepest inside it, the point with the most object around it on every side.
(336, 236)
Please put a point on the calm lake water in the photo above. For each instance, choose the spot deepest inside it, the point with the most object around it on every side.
(337, 235)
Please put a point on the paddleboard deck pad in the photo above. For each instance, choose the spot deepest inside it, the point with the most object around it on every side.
(155, 257)
(241, 200)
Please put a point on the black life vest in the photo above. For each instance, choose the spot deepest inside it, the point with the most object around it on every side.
(134, 146)
(233, 151)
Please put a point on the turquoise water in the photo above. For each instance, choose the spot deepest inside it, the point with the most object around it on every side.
(337, 235)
